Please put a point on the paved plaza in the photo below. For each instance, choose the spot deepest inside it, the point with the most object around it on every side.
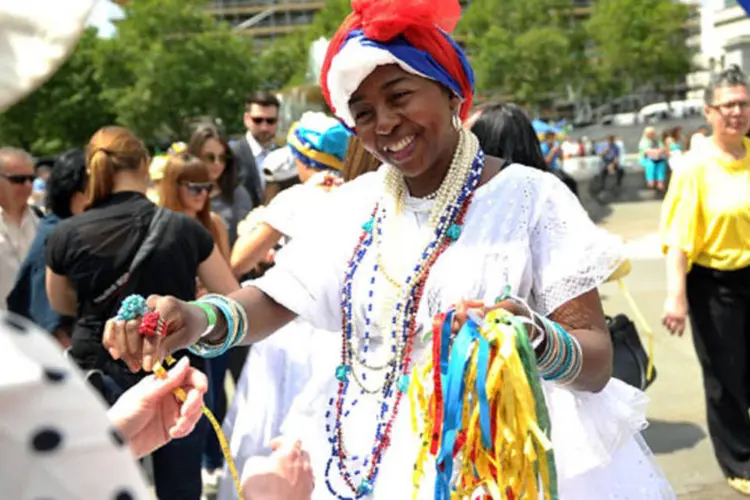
(677, 432)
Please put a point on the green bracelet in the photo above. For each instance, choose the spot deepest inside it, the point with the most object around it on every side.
(209, 310)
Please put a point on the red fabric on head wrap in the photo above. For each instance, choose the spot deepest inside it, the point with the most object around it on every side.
(418, 21)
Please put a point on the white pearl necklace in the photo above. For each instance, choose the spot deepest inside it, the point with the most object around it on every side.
(396, 192)
(393, 290)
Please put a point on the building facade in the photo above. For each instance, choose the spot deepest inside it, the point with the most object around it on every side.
(724, 40)
(267, 19)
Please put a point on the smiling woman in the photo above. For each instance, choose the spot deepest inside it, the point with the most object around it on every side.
(436, 226)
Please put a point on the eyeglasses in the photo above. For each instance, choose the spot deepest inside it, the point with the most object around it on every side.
(196, 188)
(260, 119)
(212, 158)
(18, 179)
(725, 107)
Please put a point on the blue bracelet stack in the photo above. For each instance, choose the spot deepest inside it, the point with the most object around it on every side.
(234, 315)
(562, 358)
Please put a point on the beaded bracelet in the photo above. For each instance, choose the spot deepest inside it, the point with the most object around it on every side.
(562, 358)
(236, 319)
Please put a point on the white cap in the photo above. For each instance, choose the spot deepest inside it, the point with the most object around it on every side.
(279, 165)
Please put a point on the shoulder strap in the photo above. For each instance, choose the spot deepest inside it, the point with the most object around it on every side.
(156, 228)
(37, 211)
(155, 231)
(125, 285)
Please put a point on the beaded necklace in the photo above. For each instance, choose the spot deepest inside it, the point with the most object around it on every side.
(452, 200)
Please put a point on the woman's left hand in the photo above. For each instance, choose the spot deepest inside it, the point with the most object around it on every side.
(149, 415)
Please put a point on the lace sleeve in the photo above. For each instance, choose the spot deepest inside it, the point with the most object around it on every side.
(570, 255)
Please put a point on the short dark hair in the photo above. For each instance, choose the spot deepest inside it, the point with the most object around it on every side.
(262, 98)
(68, 177)
(733, 76)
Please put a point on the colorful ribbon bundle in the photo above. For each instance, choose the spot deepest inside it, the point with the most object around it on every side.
(487, 407)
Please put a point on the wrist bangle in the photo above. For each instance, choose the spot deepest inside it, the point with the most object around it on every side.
(236, 326)
(210, 313)
(211, 319)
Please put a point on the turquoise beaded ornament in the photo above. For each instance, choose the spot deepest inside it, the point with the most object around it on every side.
(134, 306)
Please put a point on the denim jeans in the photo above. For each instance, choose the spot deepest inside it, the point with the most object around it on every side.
(216, 399)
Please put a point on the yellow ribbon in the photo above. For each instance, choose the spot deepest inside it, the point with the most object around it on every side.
(160, 372)
(517, 465)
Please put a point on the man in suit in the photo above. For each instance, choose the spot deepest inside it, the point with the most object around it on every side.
(261, 120)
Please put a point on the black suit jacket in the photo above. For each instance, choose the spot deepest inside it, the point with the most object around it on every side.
(247, 170)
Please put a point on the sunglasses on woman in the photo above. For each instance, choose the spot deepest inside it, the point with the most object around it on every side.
(18, 179)
(212, 158)
(196, 188)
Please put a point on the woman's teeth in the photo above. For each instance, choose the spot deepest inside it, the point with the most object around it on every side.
(401, 145)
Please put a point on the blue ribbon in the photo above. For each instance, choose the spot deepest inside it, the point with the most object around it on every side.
(420, 60)
(483, 360)
(454, 394)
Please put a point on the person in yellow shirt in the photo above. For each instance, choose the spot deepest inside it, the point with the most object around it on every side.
(706, 237)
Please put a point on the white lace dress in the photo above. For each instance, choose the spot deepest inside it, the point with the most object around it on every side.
(524, 228)
(278, 368)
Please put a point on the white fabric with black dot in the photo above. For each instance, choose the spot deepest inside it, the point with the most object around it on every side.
(56, 442)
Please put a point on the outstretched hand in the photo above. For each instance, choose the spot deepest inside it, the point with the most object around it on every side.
(184, 325)
(149, 415)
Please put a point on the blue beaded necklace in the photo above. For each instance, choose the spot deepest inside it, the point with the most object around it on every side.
(360, 481)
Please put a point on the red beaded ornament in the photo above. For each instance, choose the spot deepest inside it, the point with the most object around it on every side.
(151, 324)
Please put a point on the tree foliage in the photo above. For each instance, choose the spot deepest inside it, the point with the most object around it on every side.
(640, 42)
(328, 19)
(521, 48)
(65, 111)
(171, 61)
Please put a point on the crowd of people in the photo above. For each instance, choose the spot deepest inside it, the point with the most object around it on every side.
(309, 269)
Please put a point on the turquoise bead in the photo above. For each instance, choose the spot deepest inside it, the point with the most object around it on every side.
(403, 383)
(454, 231)
(342, 373)
(367, 226)
(364, 488)
(134, 306)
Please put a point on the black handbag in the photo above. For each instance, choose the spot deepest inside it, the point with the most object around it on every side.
(631, 361)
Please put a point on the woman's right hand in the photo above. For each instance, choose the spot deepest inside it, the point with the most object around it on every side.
(675, 313)
(185, 323)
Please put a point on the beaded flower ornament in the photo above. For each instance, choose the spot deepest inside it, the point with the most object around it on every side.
(150, 323)
(486, 408)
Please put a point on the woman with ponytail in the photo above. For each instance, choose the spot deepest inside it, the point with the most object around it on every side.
(89, 272)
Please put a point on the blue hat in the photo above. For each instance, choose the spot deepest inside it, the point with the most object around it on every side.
(319, 141)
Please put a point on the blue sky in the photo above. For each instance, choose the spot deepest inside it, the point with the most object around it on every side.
(102, 14)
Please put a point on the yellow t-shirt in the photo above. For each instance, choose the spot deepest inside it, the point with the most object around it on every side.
(706, 212)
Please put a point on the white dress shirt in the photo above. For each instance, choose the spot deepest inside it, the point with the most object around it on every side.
(260, 153)
(14, 245)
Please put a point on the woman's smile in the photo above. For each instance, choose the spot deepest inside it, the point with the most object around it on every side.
(401, 151)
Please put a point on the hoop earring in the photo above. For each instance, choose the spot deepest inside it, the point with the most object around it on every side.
(456, 122)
